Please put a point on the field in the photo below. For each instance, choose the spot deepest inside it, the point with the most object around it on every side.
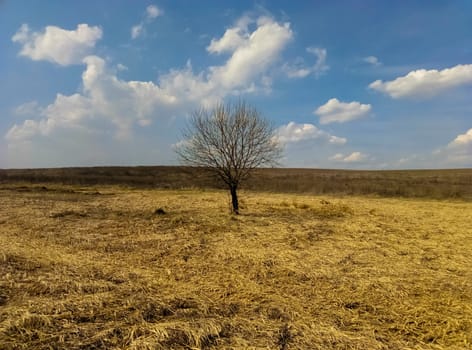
(438, 184)
(113, 267)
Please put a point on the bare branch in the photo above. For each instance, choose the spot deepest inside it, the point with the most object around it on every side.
(230, 139)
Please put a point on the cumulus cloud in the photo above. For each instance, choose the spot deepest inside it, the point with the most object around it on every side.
(57, 45)
(104, 99)
(109, 107)
(28, 109)
(151, 13)
(230, 41)
(462, 140)
(372, 60)
(458, 152)
(245, 71)
(298, 69)
(293, 133)
(425, 83)
(335, 140)
(337, 157)
(255, 54)
(137, 30)
(340, 112)
(354, 157)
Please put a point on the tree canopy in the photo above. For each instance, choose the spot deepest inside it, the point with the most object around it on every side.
(231, 140)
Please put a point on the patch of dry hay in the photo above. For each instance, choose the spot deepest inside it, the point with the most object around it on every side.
(291, 272)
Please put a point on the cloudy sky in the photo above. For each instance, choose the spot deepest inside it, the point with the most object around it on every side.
(348, 84)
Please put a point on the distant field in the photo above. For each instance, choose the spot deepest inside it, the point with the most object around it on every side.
(455, 183)
(98, 267)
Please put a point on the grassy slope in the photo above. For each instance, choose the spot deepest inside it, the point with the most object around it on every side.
(95, 268)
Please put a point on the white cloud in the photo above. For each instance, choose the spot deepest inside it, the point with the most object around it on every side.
(425, 83)
(458, 153)
(298, 69)
(104, 100)
(57, 45)
(230, 41)
(245, 71)
(337, 157)
(320, 65)
(152, 11)
(137, 30)
(293, 132)
(336, 111)
(337, 140)
(180, 144)
(109, 108)
(354, 157)
(372, 60)
(462, 140)
(257, 53)
(28, 109)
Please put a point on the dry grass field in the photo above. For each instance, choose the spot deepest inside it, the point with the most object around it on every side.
(438, 184)
(103, 268)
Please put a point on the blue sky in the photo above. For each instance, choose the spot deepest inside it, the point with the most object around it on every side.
(348, 84)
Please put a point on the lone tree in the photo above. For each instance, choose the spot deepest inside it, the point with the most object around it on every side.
(230, 140)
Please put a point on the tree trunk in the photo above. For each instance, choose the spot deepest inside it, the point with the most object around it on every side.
(234, 199)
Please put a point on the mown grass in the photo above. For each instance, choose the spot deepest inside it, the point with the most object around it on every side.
(100, 268)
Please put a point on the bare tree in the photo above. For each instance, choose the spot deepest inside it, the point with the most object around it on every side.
(230, 140)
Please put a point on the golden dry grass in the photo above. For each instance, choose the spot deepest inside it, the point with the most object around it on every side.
(88, 268)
